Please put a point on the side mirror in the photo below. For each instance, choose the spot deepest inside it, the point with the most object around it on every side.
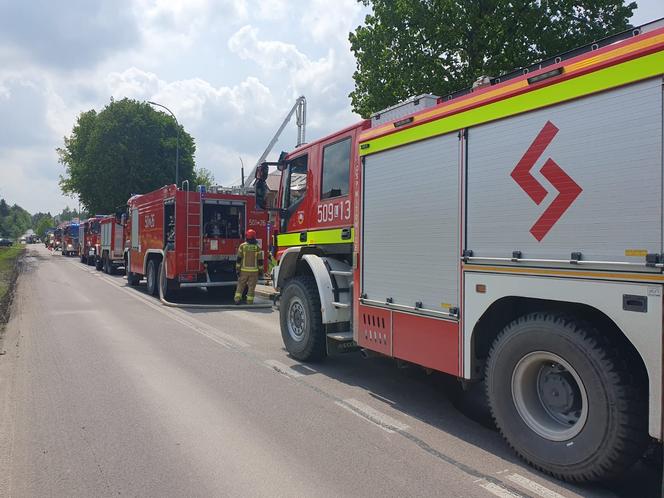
(123, 219)
(281, 163)
(261, 193)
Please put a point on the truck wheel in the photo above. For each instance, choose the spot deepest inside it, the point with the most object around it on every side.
(84, 259)
(301, 323)
(152, 276)
(163, 282)
(566, 399)
(99, 264)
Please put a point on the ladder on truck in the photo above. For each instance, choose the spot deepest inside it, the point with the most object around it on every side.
(193, 242)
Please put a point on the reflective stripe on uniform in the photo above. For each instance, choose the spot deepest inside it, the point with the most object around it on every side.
(249, 257)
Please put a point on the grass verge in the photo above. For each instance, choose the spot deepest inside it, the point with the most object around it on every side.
(9, 259)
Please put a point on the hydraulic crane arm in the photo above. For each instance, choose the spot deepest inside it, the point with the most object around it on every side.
(300, 111)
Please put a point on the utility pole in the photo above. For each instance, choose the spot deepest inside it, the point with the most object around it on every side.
(177, 141)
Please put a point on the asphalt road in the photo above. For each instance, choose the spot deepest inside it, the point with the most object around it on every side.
(105, 392)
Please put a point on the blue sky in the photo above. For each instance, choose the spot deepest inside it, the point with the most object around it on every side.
(229, 69)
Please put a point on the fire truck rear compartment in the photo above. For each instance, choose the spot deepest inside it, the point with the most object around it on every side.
(222, 227)
(224, 221)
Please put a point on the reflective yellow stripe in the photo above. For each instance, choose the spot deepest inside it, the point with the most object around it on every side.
(315, 237)
(603, 79)
(246, 248)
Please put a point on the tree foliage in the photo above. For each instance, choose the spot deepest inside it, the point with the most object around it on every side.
(14, 220)
(125, 149)
(68, 214)
(42, 225)
(410, 47)
(203, 176)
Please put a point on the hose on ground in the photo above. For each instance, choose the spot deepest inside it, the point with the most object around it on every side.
(162, 286)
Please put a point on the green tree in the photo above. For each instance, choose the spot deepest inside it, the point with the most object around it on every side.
(203, 176)
(68, 214)
(14, 220)
(410, 47)
(43, 225)
(125, 149)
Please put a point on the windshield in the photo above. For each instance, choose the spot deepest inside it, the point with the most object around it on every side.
(94, 227)
(295, 182)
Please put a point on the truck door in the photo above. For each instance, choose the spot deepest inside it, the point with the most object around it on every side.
(294, 189)
(334, 207)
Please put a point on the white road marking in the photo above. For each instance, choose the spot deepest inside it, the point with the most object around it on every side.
(215, 335)
(380, 419)
(536, 488)
(72, 312)
(308, 368)
(497, 490)
(283, 369)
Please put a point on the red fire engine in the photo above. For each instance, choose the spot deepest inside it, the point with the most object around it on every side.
(194, 234)
(69, 238)
(111, 244)
(88, 236)
(510, 233)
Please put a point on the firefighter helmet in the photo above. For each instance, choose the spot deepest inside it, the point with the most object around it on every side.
(251, 233)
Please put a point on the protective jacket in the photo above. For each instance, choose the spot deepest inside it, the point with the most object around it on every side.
(249, 257)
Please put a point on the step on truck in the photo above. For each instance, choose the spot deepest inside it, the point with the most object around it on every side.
(89, 240)
(112, 244)
(192, 236)
(510, 233)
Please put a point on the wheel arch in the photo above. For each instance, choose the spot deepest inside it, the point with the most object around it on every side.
(312, 261)
(508, 308)
(156, 254)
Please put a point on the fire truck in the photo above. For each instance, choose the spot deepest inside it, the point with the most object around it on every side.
(88, 236)
(510, 234)
(192, 235)
(69, 238)
(112, 244)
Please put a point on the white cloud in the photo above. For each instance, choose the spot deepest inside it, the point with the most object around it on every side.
(323, 27)
(230, 70)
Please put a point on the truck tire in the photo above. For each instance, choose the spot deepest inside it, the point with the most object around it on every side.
(108, 268)
(84, 260)
(99, 264)
(543, 373)
(152, 277)
(163, 282)
(301, 322)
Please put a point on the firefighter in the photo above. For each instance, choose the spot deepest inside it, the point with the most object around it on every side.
(249, 265)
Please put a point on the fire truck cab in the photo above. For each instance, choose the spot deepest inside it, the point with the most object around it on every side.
(70, 238)
(509, 233)
(190, 236)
